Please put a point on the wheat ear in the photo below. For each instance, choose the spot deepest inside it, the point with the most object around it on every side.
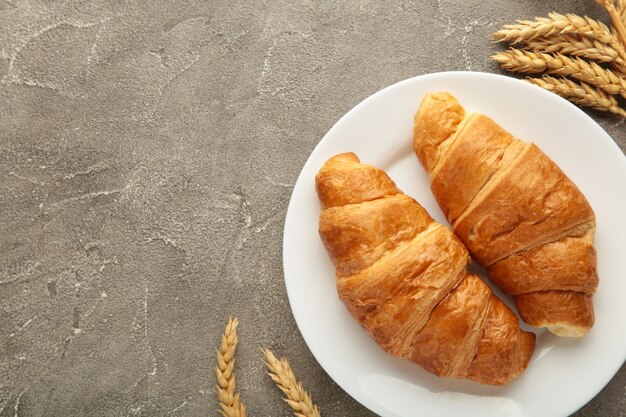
(230, 404)
(554, 24)
(579, 93)
(558, 64)
(298, 399)
(616, 18)
(621, 8)
(580, 46)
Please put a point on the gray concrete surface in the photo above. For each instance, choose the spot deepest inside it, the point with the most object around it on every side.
(148, 151)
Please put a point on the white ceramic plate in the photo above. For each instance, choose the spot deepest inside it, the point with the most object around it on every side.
(564, 373)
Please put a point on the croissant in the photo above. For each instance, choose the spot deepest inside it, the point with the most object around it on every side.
(516, 212)
(404, 278)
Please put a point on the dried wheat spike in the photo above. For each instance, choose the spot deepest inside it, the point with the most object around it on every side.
(618, 66)
(617, 18)
(297, 398)
(558, 64)
(554, 24)
(621, 50)
(579, 46)
(579, 93)
(230, 404)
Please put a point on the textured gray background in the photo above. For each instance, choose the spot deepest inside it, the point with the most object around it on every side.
(148, 151)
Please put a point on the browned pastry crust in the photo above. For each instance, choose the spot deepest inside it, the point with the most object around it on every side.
(449, 341)
(403, 277)
(514, 209)
(501, 341)
(568, 263)
(573, 311)
(446, 115)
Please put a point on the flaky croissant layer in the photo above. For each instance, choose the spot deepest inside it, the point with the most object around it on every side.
(404, 278)
(515, 210)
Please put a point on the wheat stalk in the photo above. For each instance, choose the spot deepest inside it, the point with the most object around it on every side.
(621, 8)
(297, 398)
(554, 24)
(558, 64)
(579, 93)
(230, 404)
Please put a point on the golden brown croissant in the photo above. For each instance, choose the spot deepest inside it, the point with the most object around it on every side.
(516, 212)
(403, 277)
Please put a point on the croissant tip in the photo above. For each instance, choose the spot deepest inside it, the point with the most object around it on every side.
(345, 157)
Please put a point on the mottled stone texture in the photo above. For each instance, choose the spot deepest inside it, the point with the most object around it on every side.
(148, 151)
